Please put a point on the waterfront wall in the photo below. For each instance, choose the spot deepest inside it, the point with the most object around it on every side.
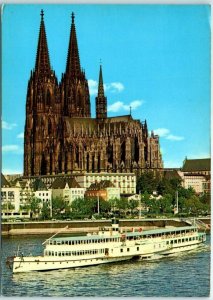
(51, 227)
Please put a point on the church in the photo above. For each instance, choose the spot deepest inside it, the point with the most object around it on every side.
(60, 135)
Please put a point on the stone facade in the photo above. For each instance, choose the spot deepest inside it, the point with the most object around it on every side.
(196, 173)
(61, 137)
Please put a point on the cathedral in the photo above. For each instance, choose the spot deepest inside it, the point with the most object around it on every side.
(60, 135)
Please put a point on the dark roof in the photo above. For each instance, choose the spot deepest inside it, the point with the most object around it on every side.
(21, 182)
(4, 182)
(170, 174)
(195, 165)
(60, 183)
(39, 185)
(101, 185)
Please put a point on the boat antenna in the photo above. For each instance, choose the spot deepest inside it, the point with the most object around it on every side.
(55, 234)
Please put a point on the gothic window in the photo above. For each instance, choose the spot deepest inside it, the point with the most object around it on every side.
(110, 153)
(87, 162)
(43, 165)
(93, 163)
(49, 127)
(51, 161)
(77, 155)
(59, 163)
(48, 97)
(65, 162)
(123, 151)
(99, 163)
(136, 149)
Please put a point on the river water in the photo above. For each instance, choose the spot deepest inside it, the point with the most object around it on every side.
(184, 275)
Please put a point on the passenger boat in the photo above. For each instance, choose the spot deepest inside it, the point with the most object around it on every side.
(109, 245)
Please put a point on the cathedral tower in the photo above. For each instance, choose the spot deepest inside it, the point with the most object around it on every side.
(101, 100)
(74, 85)
(42, 111)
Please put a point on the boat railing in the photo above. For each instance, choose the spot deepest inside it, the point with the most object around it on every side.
(200, 224)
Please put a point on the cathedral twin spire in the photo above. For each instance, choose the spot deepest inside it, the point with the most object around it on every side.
(76, 99)
(42, 65)
(73, 62)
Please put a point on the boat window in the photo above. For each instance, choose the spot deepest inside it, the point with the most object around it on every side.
(167, 242)
(175, 241)
(179, 241)
(127, 249)
(171, 242)
(122, 250)
(59, 253)
(56, 253)
(137, 248)
(66, 242)
(187, 239)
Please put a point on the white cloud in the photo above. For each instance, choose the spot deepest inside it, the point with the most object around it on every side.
(113, 87)
(20, 135)
(162, 132)
(135, 104)
(165, 133)
(93, 87)
(172, 137)
(8, 126)
(119, 105)
(12, 149)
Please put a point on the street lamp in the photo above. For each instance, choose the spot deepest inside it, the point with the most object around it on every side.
(98, 205)
(139, 204)
(176, 208)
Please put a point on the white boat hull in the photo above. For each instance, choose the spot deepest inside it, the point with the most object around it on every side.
(182, 249)
(41, 263)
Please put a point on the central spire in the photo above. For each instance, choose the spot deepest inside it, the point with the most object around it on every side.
(100, 84)
(42, 65)
(73, 62)
(101, 100)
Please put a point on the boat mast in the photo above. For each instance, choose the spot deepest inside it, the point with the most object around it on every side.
(55, 234)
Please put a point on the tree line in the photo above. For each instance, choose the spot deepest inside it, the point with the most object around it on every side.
(158, 196)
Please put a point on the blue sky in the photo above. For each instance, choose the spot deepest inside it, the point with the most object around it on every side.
(155, 58)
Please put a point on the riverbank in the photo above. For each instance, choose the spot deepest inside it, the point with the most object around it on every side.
(71, 227)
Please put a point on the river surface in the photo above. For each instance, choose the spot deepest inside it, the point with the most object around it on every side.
(183, 275)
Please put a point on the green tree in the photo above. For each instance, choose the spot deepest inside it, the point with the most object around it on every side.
(45, 212)
(132, 205)
(194, 206)
(122, 204)
(60, 207)
(147, 182)
(35, 205)
(146, 200)
(84, 207)
(166, 203)
(105, 207)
